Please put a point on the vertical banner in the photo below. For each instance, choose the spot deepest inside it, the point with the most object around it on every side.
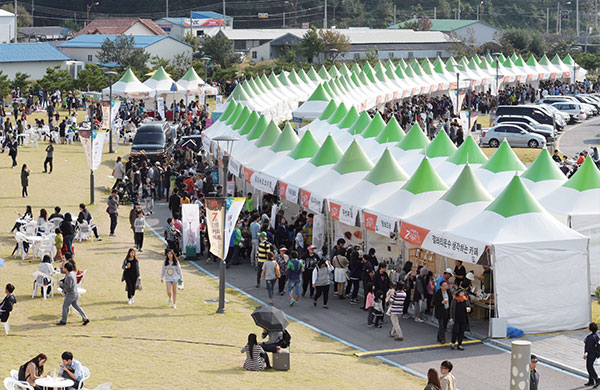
(457, 96)
(318, 238)
(233, 207)
(160, 107)
(202, 98)
(191, 226)
(93, 143)
(105, 115)
(215, 218)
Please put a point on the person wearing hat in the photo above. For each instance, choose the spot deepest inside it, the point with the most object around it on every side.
(467, 282)
(534, 377)
(459, 318)
(262, 253)
(442, 301)
(282, 259)
(444, 278)
(310, 261)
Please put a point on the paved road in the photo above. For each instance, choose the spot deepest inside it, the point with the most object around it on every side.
(580, 136)
(479, 366)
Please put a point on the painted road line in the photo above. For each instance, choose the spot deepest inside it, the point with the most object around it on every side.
(416, 348)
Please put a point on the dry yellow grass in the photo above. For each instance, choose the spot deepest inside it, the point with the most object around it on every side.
(148, 345)
(526, 155)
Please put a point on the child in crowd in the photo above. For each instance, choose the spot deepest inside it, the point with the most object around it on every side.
(148, 196)
(138, 226)
(58, 243)
(378, 309)
(6, 306)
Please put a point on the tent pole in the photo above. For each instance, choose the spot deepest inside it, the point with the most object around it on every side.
(589, 278)
(493, 265)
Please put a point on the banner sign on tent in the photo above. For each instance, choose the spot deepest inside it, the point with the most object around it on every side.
(457, 97)
(206, 144)
(380, 224)
(191, 226)
(160, 107)
(263, 182)
(343, 212)
(318, 233)
(233, 207)
(304, 198)
(315, 203)
(93, 143)
(288, 192)
(234, 167)
(248, 173)
(105, 115)
(215, 220)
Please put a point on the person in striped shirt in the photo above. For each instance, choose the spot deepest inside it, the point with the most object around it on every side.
(262, 253)
(396, 303)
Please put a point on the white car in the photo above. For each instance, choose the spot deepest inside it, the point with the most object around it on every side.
(587, 108)
(573, 109)
(563, 117)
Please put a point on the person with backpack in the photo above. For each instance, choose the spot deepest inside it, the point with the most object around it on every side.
(590, 353)
(292, 274)
(32, 370)
(6, 306)
(275, 340)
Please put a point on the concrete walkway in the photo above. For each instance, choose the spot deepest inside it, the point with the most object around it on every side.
(581, 136)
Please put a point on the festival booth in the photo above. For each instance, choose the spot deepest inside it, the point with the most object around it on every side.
(163, 86)
(408, 150)
(543, 176)
(313, 107)
(128, 87)
(535, 260)
(577, 204)
(437, 151)
(468, 153)
(386, 138)
(499, 170)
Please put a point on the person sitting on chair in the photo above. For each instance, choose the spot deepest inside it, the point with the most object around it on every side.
(84, 215)
(71, 369)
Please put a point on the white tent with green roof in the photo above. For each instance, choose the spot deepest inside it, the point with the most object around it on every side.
(437, 151)
(555, 73)
(191, 82)
(321, 120)
(321, 129)
(222, 121)
(468, 153)
(314, 105)
(540, 266)
(328, 155)
(543, 73)
(387, 137)
(340, 131)
(352, 167)
(581, 73)
(128, 87)
(419, 192)
(498, 171)
(246, 145)
(543, 176)
(384, 178)
(410, 147)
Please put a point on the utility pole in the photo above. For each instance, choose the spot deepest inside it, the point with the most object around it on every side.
(16, 28)
(477, 11)
(547, 20)
(394, 14)
(224, 20)
(595, 16)
(557, 18)
(283, 19)
(325, 16)
(32, 18)
(458, 11)
(166, 8)
(577, 18)
(434, 13)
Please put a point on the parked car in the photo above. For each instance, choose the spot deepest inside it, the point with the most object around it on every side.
(589, 100)
(531, 110)
(154, 140)
(515, 135)
(562, 117)
(587, 108)
(534, 126)
(573, 109)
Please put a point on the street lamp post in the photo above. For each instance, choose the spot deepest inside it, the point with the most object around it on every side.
(110, 73)
(205, 61)
(497, 58)
(88, 9)
(229, 140)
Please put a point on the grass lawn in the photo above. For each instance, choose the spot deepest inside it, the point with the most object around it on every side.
(526, 155)
(148, 345)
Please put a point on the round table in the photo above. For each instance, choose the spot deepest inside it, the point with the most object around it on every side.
(54, 383)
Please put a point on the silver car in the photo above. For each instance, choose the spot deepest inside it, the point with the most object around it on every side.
(515, 135)
(547, 131)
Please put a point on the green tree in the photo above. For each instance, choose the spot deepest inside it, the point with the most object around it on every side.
(24, 18)
(220, 51)
(91, 78)
(311, 44)
(122, 51)
(56, 78)
(443, 10)
(334, 43)
(4, 85)
(21, 81)
(588, 61)
(191, 39)
(515, 40)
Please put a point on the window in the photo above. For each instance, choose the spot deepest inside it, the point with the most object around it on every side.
(410, 55)
(254, 55)
(90, 58)
(500, 129)
(513, 130)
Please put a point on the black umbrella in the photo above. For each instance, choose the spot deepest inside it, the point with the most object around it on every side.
(270, 318)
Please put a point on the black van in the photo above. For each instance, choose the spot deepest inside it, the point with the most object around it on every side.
(154, 140)
(531, 111)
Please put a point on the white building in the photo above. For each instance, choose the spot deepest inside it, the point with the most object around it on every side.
(30, 58)
(87, 47)
(387, 43)
(201, 23)
(474, 32)
(7, 26)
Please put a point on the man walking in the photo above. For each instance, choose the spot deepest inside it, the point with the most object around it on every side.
(447, 379)
(441, 302)
(69, 287)
(113, 210)
(254, 231)
(292, 274)
(264, 247)
(49, 156)
(118, 172)
(175, 203)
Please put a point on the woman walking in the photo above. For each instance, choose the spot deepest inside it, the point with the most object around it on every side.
(131, 274)
(24, 180)
(433, 380)
(270, 273)
(171, 274)
(254, 355)
(138, 226)
(66, 227)
(589, 354)
(340, 264)
(459, 317)
(320, 281)
(396, 306)
(282, 260)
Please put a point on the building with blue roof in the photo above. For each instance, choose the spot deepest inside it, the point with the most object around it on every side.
(202, 23)
(30, 58)
(87, 47)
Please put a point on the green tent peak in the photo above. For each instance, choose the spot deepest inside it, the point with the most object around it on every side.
(265, 81)
(389, 72)
(339, 114)
(328, 89)
(417, 68)
(543, 168)
(556, 60)
(349, 119)
(344, 69)
(333, 72)
(235, 114)
(160, 74)
(329, 153)
(568, 60)
(323, 73)
(303, 76)
(269, 136)
(390, 65)
(286, 141)
(284, 80)
(191, 75)
(312, 74)
(380, 75)
(274, 81)
(515, 200)
(587, 177)
(129, 77)
(242, 118)
(364, 79)
(306, 147)
(387, 170)
(504, 160)
(513, 57)
(293, 76)
(425, 179)
(261, 88)
(544, 60)
(532, 61)
(427, 66)
(249, 124)
(367, 68)
(379, 66)
(469, 152)
(328, 111)
(402, 63)
(258, 129)
(240, 94)
(355, 68)
(414, 139)
(319, 94)
(519, 61)
(467, 189)
(408, 71)
(441, 146)
(392, 132)
(228, 111)
(374, 128)
(251, 88)
(360, 124)
(439, 66)
(353, 160)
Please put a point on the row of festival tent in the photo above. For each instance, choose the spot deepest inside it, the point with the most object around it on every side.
(351, 189)
(278, 96)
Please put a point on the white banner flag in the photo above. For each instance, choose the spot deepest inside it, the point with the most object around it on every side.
(191, 226)
(457, 97)
(160, 107)
(92, 147)
(233, 207)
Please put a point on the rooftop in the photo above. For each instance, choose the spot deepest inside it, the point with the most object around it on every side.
(445, 25)
(44, 31)
(118, 26)
(30, 52)
(96, 40)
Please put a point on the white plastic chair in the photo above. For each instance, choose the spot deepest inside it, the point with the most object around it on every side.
(85, 376)
(14, 374)
(81, 290)
(45, 247)
(104, 386)
(30, 228)
(38, 281)
(21, 239)
(13, 384)
(56, 221)
(84, 232)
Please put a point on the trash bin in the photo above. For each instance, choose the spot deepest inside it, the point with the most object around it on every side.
(190, 252)
(281, 360)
